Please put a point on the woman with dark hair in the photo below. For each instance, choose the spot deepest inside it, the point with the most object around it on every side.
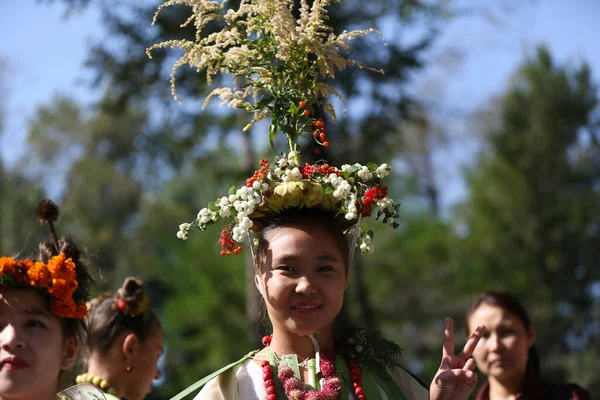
(42, 307)
(506, 353)
(125, 342)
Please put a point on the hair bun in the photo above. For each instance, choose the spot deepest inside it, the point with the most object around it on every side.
(46, 250)
(131, 298)
(47, 211)
(69, 249)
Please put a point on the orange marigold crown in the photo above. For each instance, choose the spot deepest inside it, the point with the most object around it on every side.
(58, 278)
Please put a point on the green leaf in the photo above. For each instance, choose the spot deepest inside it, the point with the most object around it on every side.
(372, 166)
(232, 190)
(264, 102)
(272, 132)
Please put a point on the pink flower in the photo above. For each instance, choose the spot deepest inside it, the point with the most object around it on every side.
(284, 372)
(295, 395)
(292, 384)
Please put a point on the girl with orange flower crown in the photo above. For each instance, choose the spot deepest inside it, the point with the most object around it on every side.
(42, 306)
(297, 218)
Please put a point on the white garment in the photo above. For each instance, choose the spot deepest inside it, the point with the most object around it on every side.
(250, 385)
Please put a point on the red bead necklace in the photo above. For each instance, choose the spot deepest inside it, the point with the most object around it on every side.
(294, 387)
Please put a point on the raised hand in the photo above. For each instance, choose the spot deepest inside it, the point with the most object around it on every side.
(456, 378)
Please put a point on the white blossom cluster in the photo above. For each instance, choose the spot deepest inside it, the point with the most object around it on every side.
(347, 188)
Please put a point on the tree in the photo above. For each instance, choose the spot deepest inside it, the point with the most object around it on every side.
(533, 206)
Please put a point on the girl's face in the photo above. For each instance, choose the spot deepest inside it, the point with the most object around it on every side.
(33, 349)
(302, 279)
(503, 351)
(144, 366)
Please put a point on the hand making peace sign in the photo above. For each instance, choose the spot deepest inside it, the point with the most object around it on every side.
(456, 378)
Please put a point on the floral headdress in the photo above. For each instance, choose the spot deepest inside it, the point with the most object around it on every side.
(57, 278)
(282, 60)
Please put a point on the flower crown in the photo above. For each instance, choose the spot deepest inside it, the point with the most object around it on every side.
(282, 50)
(58, 278)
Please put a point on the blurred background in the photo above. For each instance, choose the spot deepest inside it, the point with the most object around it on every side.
(488, 112)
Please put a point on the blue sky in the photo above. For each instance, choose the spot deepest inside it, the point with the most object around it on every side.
(45, 54)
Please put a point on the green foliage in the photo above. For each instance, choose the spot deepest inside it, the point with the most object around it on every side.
(534, 208)
(136, 164)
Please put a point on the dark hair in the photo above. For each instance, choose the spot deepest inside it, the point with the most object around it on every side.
(48, 212)
(303, 217)
(508, 302)
(113, 315)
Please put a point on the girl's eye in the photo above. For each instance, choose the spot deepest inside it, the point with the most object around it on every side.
(326, 268)
(285, 268)
(35, 324)
(505, 333)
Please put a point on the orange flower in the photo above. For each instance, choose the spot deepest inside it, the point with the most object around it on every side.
(63, 308)
(7, 265)
(38, 275)
(58, 277)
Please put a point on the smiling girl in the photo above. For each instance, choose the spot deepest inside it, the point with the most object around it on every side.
(302, 273)
(283, 56)
(42, 306)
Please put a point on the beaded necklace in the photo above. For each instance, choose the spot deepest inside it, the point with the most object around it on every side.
(97, 381)
(295, 389)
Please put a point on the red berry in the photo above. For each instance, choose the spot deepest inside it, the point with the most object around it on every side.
(302, 104)
(326, 143)
(306, 112)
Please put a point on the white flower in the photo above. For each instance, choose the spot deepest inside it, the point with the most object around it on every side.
(203, 213)
(282, 163)
(350, 216)
(390, 220)
(183, 231)
(264, 187)
(256, 185)
(364, 174)
(383, 170)
(232, 198)
(292, 175)
(366, 248)
(239, 205)
(225, 212)
(385, 203)
(241, 215)
(246, 223)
